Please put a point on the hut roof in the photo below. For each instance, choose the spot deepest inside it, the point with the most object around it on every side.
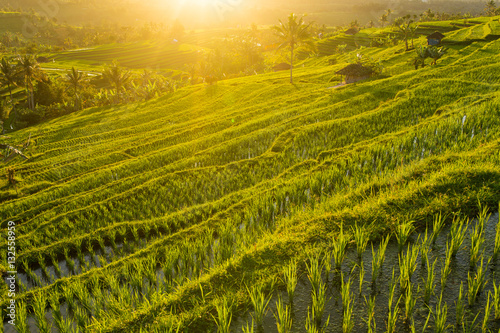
(355, 70)
(282, 66)
(351, 31)
(435, 35)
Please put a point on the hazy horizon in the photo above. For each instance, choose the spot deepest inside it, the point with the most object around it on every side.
(196, 14)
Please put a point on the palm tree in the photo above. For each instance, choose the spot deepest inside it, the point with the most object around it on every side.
(405, 25)
(191, 68)
(116, 76)
(75, 79)
(293, 34)
(8, 75)
(30, 70)
(435, 53)
(491, 8)
(383, 19)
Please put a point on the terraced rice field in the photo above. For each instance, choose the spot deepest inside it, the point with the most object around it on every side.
(156, 55)
(168, 214)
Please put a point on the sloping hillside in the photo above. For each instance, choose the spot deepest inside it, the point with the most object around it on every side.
(144, 216)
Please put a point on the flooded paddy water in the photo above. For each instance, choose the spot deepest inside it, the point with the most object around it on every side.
(460, 270)
(354, 269)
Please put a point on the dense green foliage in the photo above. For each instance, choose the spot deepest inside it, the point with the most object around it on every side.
(159, 214)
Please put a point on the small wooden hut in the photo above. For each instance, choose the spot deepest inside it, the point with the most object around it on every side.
(435, 38)
(281, 67)
(355, 72)
(351, 31)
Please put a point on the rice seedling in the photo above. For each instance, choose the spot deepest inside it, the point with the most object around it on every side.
(487, 312)
(310, 325)
(56, 266)
(424, 249)
(471, 327)
(149, 269)
(361, 237)
(437, 226)
(440, 314)
(339, 246)
(407, 266)
(314, 269)
(224, 315)
(392, 316)
(69, 262)
(361, 277)
(102, 260)
(69, 297)
(403, 232)
(290, 276)
(283, 317)
(345, 292)
(477, 240)
(378, 259)
(39, 310)
(81, 317)
(327, 263)
(484, 215)
(457, 235)
(476, 284)
(410, 301)
(318, 303)
(56, 310)
(459, 306)
(259, 302)
(370, 321)
(496, 300)
(496, 248)
(429, 281)
(445, 269)
(347, 321)
(21, 318)
(248, 328)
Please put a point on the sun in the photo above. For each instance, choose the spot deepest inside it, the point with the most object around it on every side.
(200, 3)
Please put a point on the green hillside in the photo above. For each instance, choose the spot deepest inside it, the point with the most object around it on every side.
(144, 217)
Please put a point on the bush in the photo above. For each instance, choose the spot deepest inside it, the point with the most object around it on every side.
(27, 117)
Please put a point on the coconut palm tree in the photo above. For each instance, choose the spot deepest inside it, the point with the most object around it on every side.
(9, 75)
(116, 76)
(405, 25)
(293, 34)
(75, 79)
(30, 70)
(491, 8)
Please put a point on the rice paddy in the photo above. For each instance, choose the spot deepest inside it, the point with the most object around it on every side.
(253, 204)
(396, 301)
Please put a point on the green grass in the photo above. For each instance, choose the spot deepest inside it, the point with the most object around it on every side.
(216, 188)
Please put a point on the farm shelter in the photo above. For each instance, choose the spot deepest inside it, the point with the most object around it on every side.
(435, 38)
(281, 67)
(355, 72)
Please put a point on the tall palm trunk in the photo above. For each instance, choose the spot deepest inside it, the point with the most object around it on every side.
(77, 102)
(10, 93)
(291, 67)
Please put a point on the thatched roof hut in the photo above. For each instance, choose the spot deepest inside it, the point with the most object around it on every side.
(281, 67)
(351, 31)
(355, 72)
(435, 38)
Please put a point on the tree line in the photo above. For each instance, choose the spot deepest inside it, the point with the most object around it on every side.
(31, 95)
